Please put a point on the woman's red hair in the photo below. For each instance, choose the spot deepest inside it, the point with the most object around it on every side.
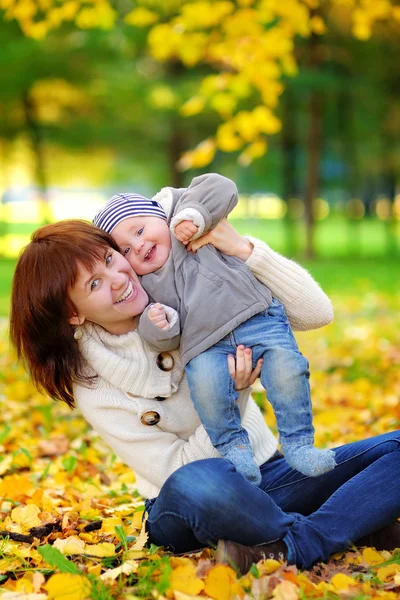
(40, 305)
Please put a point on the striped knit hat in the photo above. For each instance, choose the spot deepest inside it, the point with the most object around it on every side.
(125, 206)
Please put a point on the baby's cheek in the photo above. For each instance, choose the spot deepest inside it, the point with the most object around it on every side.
(136, 265)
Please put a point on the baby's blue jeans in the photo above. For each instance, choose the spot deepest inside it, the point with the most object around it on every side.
(208, 500)
(284, 375)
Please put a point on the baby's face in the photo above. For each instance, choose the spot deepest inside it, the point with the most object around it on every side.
(144, 241)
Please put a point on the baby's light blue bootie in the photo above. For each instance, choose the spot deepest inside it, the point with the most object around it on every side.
(308, 460)
(243, 459)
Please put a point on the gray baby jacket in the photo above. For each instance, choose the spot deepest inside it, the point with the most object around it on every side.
(212, 293)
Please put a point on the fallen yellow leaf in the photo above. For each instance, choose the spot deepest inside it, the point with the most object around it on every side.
(100, 550)
(143, 537)
(66, 586)
(26, 516)
(286, 591)
(128, 567)
(108, 525)
(19, 596)
(269, 566)
(342, 582)
(183, 579)
(181, 596)
(388, 572)
(15, 486)
(372, 557)
(71, 545)
(221, 583)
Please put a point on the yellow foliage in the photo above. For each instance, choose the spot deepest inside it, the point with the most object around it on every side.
(250, 42)
(163, 97)
(142, 539)
(64, 586)
(253, 151)
(71, 545)
(184, 579)
(204, 14)
(192, 107)
(286, 590)
(227, 137)
(26, 516)
(389, 572)
(201, 156)
(102, 15)
(224, 103)
(69, 9)
(108, 525)
(246, 125)
(15, 487)
(346, 410)
(342, 582)
(266, 121)
(141, 17)
(221, 583)
(372, 557)
(100, 550)
(317, 25)
(269, 566)
(128, 567)
(191, 48)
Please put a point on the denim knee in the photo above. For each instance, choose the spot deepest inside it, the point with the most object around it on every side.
(198, 482)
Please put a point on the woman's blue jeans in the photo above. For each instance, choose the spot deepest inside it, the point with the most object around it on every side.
(207, 500)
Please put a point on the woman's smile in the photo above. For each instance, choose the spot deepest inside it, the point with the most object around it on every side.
(129, 294)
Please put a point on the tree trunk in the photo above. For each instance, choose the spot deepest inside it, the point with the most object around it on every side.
(176, 144)
(390, 224)
(36, 137)
(175, 150)
(313, 149)
(346, 111)
(289, 167)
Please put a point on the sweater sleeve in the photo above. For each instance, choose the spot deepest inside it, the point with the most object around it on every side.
(163, 340)
(307, 306)
(207, 200)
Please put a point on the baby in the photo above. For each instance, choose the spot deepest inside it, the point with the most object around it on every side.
(221, 305)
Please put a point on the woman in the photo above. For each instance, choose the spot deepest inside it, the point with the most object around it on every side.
(75, 300)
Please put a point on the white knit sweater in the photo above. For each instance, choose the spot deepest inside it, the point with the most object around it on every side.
(129, 380)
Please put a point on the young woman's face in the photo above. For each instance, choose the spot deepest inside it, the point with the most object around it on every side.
(144, 241)
(110, 295)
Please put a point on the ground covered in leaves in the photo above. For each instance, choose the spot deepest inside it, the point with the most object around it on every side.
(71, 518)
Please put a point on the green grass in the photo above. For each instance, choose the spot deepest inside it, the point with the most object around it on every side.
(334, 237)
(7, 266)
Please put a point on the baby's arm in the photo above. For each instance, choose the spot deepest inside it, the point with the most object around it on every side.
(159, 326)
(207, 200)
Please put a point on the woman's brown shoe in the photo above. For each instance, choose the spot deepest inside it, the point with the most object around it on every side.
(387, 538)
(241, 558)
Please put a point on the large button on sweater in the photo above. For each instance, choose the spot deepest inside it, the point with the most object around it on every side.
(150, 417)
(165, 361)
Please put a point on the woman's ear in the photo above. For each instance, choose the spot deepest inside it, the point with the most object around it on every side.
(76, 320)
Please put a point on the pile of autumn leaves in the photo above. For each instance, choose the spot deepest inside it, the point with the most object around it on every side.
(71, 518)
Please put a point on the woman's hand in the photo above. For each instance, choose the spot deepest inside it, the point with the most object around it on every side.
(226, 239)
(240, 369)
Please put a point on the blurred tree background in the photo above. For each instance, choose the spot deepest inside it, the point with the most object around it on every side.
(297, 101)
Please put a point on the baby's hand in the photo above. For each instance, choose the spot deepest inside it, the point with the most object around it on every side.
(158, 316)
(185, 230)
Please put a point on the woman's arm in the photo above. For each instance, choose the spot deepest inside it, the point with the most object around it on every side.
(307, 306)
